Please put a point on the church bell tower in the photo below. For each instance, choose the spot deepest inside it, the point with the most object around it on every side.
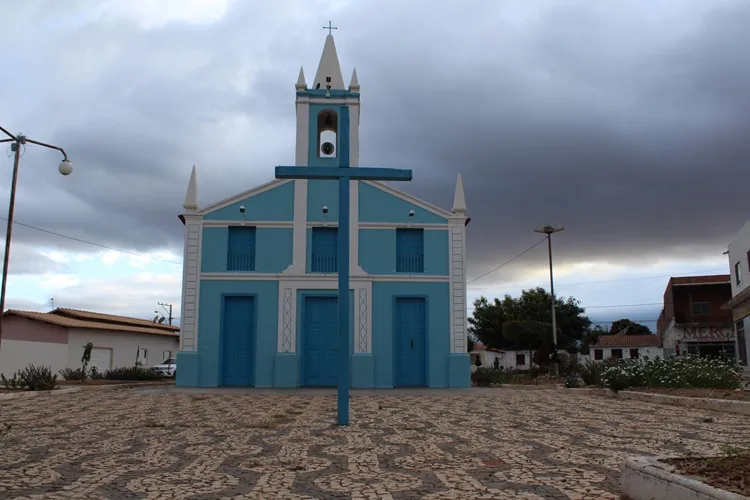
(318, 112)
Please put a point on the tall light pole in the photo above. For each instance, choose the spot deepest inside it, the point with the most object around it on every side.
(65, 168)
(548, 230)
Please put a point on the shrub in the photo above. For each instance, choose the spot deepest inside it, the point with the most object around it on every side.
(32, 378)
(484, 376)
(574, 380)
(685, 371)
(136, 372)
(72, 374)
(95, 374)
(591, 373)
(568, 364)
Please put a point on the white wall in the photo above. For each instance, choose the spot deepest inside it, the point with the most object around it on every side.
(124, 346)
(738, 249)
(507, 359)
(651, 352)
(18, 354)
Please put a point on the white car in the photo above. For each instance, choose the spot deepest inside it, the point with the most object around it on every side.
(168, 367)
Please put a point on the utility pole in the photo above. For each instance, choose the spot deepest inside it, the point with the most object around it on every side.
(168, 311)
(549, 231)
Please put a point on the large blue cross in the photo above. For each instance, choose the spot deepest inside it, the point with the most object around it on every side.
(344, 174)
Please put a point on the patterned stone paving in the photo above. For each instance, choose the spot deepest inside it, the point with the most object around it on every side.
(505, 444)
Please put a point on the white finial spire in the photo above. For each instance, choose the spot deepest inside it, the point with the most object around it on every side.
(354, 84)
(191, 198)
(301, 85)
(329, 68)
(459, 201)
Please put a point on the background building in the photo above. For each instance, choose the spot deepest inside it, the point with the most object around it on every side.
(56, 339)
(693, 321)
(739, 305)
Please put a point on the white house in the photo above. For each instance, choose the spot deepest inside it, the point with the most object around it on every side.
(508, 359)
(739, 267)
(625, 346)
(56, 339)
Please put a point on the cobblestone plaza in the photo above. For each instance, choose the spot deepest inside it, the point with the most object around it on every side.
(494, 443)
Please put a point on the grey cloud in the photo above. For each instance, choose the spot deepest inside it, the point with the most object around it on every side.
(631, 134)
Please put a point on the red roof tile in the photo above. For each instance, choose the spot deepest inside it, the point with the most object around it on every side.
(620, 340)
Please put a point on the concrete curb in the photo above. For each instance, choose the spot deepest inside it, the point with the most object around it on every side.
(64, 389)
(645, 478)
(722, 405)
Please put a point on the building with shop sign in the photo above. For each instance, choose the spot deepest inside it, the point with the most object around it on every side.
(693, 320)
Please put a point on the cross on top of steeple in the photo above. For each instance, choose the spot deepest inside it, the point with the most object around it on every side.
(329, 28)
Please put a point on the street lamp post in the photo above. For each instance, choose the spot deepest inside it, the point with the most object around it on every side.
(65, 168)
(548, 230)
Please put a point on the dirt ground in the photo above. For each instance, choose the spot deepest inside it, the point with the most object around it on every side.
(727, 473)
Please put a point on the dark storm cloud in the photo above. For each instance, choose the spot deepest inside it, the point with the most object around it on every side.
(630, 132)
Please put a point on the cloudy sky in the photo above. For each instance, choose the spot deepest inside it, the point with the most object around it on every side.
(624, 121)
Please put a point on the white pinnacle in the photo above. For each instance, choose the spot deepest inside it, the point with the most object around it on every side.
(191, 197)
(329, 67)
(354, 84)
(301, 85)
(459, 201)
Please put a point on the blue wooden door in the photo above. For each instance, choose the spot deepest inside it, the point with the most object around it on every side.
(238, 341)
(410, 342)
(320, 363)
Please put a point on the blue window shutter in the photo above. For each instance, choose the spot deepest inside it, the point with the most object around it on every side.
(410, 250)
(325, 248)
(241, 249)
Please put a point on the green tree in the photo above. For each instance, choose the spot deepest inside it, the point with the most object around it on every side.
(486, 323)
(630, 327)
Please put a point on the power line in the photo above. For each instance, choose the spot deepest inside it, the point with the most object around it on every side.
(582, 283)
(508, 261)
(92, 243)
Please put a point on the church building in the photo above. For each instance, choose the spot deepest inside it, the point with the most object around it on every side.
(259, 286)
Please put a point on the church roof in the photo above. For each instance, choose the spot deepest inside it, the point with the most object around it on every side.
(329, 67)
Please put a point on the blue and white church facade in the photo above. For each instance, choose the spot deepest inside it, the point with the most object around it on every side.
(259, 281)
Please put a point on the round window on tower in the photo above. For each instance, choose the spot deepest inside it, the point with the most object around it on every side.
(327, 149)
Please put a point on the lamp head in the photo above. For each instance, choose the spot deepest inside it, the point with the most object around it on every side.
(325, 210)
(242, 209)
(411, 213)
(65, 167)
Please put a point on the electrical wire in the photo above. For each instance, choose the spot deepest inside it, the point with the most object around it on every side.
(508, 261)
(92, 243)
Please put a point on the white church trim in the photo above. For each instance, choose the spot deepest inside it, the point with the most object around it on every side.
(457, 270)
(247, 194)
(191, 282)
(288, 308)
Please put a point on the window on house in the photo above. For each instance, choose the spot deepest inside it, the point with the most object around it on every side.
(598, 353)
(634, 354)
(741, 342)
(616, 353)
(520, 359)
(409, 250)
(241, 248)
(325, 247)
(737, 274)
(700, 308)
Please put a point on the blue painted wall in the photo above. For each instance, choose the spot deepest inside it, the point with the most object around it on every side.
(210, 324)
(322, 193)
(377, 251)
(276, 204)
(273, 249)
(376, 205)
(438, 329)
